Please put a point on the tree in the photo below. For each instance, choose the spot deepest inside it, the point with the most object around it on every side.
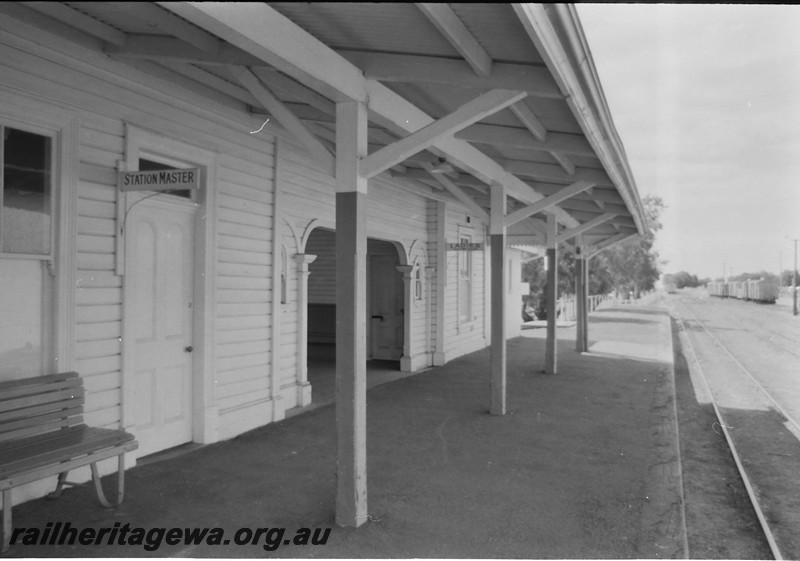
(534, 274)
(629, 267)
(682, 279)
(786, 278)
(633, 265)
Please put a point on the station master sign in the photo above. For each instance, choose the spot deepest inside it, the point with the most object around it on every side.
(159, 180)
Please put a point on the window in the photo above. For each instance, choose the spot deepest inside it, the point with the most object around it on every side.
(26, 193)
(464, 278)
(418, 283)
(26, 248)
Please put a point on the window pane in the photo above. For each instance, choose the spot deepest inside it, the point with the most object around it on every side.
(27, 179)
(23, 318)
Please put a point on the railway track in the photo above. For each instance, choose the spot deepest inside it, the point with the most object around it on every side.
(771, 526)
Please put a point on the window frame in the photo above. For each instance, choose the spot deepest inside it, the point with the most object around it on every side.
(55, 177)
(34, 114)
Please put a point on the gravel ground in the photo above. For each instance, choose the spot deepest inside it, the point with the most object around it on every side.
(720, 520)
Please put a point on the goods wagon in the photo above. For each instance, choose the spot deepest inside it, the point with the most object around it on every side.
(761, 290)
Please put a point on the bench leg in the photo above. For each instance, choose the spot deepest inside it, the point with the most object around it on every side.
(6, 520)
(101, 496)
(62, 480)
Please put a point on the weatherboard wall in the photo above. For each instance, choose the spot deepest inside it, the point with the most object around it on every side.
(104, 96)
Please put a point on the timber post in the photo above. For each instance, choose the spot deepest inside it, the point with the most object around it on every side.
(550, 360)
(351, 314)
(497, 231)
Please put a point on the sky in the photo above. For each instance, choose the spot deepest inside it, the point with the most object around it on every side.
(706, 100)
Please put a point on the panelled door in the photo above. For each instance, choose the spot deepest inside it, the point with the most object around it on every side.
(158, 327)
(386, 307)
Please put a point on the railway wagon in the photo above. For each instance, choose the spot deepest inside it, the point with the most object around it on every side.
(715, 288)
(760, 290)
(763, 290)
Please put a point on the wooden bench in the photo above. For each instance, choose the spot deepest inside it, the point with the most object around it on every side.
(42, 434)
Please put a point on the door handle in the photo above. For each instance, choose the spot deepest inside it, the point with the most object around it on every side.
(378, 317)
(188, 349)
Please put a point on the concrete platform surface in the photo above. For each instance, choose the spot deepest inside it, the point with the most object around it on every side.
(585, 464)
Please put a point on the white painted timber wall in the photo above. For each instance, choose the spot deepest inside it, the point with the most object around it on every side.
(106, 95)
(244, 292)
(465, 337)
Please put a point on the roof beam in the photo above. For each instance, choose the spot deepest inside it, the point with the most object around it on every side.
(585, 227)
(547, 202)
(469, 113)
(447, 22)
(531, 121)
(284, 116)
(79, 20)
(458, 193)
(385, 67)
(265, 33)
(564, 161)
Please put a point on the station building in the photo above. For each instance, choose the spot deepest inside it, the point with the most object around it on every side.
(355, 181)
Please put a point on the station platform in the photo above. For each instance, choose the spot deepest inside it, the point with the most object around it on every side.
(585, 464)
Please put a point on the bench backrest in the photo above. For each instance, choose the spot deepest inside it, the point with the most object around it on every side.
(38, 405)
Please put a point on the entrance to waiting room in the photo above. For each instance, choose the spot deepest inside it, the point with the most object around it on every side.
(385, 314)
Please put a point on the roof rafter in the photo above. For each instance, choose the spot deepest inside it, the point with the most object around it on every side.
(469, 113)
(284, 116)
(447, 22)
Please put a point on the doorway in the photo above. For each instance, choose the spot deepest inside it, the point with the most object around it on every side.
(159, 318)
(385, 315)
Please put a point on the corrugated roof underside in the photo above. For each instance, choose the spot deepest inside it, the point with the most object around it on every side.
(387, 27)
(402, 28)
